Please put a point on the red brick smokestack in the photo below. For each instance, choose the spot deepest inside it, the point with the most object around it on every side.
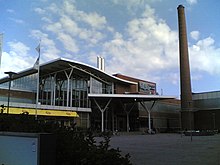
(187, 115)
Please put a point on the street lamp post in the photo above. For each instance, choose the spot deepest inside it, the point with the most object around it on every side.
(10, 75)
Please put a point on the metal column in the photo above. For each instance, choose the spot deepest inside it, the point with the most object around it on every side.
(127, 114)
(149, 113)
(68, 86)
(102, 110)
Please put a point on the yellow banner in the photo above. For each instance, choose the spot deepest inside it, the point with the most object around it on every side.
(43, 112)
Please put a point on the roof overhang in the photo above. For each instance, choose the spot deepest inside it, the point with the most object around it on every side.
(23, 73)
(129, 97)
(62, 64)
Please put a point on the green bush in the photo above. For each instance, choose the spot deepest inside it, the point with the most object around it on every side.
(72, 148)
(83, 150)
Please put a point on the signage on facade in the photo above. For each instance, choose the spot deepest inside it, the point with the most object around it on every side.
(147, 87)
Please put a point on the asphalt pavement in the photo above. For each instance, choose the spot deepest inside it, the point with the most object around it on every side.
(169, 149)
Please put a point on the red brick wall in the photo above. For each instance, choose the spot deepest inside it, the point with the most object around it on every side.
(131, 88)
(120, 89)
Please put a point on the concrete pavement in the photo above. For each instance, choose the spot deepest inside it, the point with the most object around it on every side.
(169, 149)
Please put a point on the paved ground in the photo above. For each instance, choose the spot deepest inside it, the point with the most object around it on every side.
(169, 149)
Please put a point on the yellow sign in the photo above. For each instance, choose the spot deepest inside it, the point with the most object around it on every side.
(42, 112)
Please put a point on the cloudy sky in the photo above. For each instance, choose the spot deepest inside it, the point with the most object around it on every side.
(137, 38)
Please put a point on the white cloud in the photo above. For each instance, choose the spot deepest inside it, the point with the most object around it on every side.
(147, 48)
(10, 11)
(94, 20)
(195, 35)
(48, 46)
(191, 2)
(19, 48)
(69, 7)
(14, 59)
(206, 43)
(149, 12)
(53, 8)
(91, 36)
(205, 57)
(47, 20)
(150, 49)
(69, 25)
(133, 5)
(39, 10)
(68, 42)
(19, 21)
(53, 27)
(172, 77)
(73, 28)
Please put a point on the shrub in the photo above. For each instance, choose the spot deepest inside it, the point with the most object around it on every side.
(72, 148)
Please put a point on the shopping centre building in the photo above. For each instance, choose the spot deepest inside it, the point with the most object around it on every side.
(207, 110)
(74, 92)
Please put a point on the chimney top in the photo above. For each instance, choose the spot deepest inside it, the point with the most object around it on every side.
(180, 6)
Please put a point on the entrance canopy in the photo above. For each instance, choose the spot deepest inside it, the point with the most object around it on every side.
(129, 98)
(99, 99)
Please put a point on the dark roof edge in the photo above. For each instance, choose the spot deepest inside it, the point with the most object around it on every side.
(32, 70)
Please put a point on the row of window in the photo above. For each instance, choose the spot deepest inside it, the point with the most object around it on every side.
(28, 83)
(71, 92)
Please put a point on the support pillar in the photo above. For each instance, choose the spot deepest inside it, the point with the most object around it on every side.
(68, 86)
(149, 114)
(54, 90)
(127, 114)
(102, 110)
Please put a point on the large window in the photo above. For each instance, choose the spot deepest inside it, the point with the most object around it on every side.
(23, 90)
(79, 91)
(59, 91)
(100, 87)
(28, 83)
(96, 86)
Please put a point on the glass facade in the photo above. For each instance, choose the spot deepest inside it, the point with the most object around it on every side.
(63, 88)
(98, 87)
(28, 83)
(23, 90)
(58, 91)
(64, 92)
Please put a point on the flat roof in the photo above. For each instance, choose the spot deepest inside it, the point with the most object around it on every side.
(125, 77)
(130, 97)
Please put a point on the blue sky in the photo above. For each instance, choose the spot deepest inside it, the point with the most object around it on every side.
(137, 38)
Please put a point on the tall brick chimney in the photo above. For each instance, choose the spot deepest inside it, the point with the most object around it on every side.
(187, 116)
